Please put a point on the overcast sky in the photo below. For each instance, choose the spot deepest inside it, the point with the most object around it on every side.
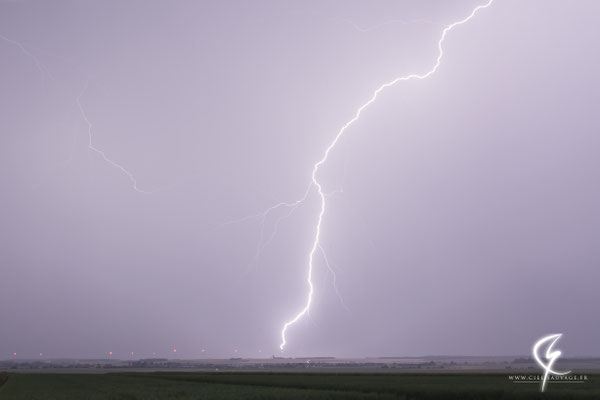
(463, 210)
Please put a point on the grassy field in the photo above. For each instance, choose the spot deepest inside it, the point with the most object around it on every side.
(236, 385)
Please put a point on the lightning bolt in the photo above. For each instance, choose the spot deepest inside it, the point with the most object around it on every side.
(262, 217)
(101, 153)
(318, 164)
(268, 211)
(334, 281)
(43, 70)
(262, 243)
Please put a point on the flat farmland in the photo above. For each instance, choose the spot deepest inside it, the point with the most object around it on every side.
(267, 385)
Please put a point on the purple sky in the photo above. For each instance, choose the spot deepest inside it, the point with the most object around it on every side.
(464, 217)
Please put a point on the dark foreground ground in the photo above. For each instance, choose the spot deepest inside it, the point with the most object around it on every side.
(267, 385)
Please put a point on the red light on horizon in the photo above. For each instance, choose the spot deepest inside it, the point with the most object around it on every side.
(110, 353)
(174, 350)
(41, 354)
(14, 354)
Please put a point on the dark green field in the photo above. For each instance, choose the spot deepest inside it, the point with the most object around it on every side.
(237, 385)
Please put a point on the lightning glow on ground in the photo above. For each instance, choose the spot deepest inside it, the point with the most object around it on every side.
(317, 184)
